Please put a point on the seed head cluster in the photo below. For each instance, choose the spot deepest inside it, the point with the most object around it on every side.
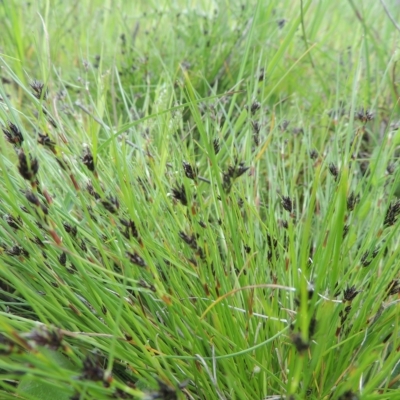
(13, 134)
(392, 213)
(28, 167)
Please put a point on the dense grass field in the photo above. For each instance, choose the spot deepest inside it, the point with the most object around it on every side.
(199, 199)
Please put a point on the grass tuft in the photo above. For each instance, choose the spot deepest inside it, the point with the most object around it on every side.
(199, 200)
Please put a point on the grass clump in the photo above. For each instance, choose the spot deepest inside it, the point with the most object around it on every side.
(199, 200)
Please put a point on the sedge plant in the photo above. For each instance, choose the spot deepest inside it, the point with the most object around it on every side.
(199, 200)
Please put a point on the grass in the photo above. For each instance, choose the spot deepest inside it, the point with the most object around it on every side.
(199, 200)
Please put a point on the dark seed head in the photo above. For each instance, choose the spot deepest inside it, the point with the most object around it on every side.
(45, 140)
(165, 392)
(200, 253)
(261, 75)
(190, 172)
(27, 171)
(364, 258)
(92, 369)
(14, 251)
(87, 159)
(24, 209)
(343, 316)
(284, 125)
(32, 198)
(364, 115)
(313, 154)
(284, 224)
(348, 395)
(44, 209)
(234, 171)
(299, 343)
(111, 205)
(179, 193)
(72, 269)
(37, 88)
(227, 182)
(134, 258)
(393, 287)
(352, 200)
(92, 192)
(13, 134)
(281, 23)
(255, 106)
(346, 229)
(333, 169)
(144, 284)
(391, 168)
(130, 227)
(350, 293)
(108, 206)
(14, 223)
(51, 338)
(312, 327)
(392, 213)
(287, 203)
(272, 241)
(256, 132)
(71, 229)
(190, 240)
(256, 127)
(83, 246)
(62, 259)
